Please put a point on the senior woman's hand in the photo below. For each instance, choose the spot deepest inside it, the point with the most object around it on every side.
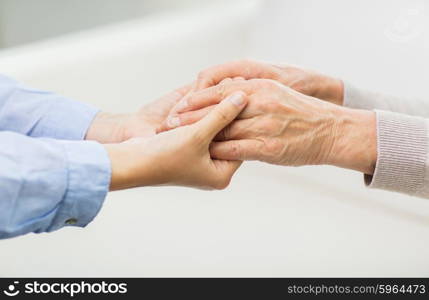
(283, 126)
(305, 81)
(177, 157)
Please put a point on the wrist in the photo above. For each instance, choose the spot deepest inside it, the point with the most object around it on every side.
(107, 128)
(120, 177)
(330, 89)
(354, 144)
(132, 166)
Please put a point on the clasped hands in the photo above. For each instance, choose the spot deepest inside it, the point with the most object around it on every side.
(199, 134)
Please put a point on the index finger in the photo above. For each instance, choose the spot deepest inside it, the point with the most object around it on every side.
(210, 96)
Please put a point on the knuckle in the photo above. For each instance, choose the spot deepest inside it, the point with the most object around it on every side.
(271, 106)
(222, 116)
(220, 90)
(226, 80)
(299, 86)
(274, 147)
(190, 99)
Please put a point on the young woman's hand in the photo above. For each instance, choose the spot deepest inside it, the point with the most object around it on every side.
(116, 128)
(177, 157)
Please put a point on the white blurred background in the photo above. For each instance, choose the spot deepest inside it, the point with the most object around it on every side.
(272, 221)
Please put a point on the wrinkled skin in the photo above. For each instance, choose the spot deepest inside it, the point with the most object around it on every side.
(285, 127)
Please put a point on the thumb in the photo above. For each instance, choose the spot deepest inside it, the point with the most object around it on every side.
(223, 114)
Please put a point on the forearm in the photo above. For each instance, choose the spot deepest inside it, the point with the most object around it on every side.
(391, 149)
(329, 89)
(123, 164)
(133, 167)
(46, 184)
(354, 140)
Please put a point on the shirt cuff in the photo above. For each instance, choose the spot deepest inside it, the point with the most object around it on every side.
(402, 147)
(67, 119)
(89, 174)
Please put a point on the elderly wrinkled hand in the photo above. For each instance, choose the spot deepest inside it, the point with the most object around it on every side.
(282, 126)
(305, 81)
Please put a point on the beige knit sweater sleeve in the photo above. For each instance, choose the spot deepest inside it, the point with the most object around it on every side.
(402, 141)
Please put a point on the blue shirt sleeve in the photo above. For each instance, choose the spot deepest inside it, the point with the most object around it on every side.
(40, 113)
(46, 184)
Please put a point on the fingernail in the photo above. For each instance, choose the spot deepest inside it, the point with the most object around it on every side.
(173, 122)
(237, 99)
(182, 104)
